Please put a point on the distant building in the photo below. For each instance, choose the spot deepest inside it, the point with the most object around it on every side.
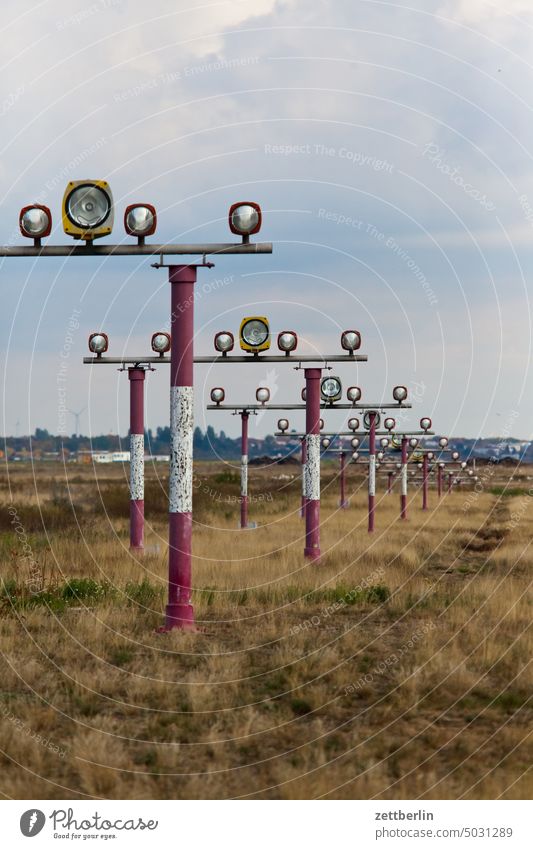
(101, 456)
(120, 457)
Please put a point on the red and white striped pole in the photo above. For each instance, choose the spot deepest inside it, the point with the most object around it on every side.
(312, 463)
(179, 611)
(244, 468)
(371, 469)
(425, 474)
(136, 378)
(304, 458)
(389, 482)
(403, 481)
(343, 502)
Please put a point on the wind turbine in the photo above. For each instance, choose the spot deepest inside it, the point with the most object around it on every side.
(77, 419)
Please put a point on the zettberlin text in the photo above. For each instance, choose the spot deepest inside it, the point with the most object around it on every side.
(402, 815)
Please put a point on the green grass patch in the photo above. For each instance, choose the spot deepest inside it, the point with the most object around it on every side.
(119, 657)
(56, 598)
(508, 491)
(300, 707)
(336, 597)
(227, 477)
(144, 594)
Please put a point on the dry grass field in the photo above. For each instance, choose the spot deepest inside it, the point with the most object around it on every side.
(397, 667)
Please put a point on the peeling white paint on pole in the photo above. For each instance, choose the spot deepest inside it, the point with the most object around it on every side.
(404, 479)
(137, 466)
(372, 474)
(181, 433)
(312, 467)
(244, 474)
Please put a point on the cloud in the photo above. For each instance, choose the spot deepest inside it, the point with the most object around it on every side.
(307, 108)
(481, 11)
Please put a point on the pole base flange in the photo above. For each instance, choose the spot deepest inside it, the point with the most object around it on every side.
(312, 553)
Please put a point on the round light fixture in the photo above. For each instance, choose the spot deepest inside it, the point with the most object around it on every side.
(287, 341)
(98, 343)
(217, 395)
(245, 218)
(224, 342)
(353, 424)
(350, 340)
(283, 424)
(399, 393)
(254, 334)
(161, 343)
(88, 209)
(366, 419)
(262, 394)
(35, 222)
(140, 219)
(425, 423)
(353, 393)
(331, 388)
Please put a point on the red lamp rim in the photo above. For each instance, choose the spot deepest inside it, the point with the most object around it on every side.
(44, 209)
(152, 209)
(257, 208)
(99, 333)
(350, 331)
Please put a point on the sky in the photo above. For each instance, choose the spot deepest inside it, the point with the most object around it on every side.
(388, 143)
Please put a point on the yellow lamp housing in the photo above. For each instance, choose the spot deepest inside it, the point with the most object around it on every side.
(87, 209)
(254, 334)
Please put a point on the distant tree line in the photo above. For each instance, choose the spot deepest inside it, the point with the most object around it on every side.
(207, 445)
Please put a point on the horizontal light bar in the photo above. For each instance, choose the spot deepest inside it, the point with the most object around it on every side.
(137, 250)
(359, 434)
(334, 358)
(303, 407)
